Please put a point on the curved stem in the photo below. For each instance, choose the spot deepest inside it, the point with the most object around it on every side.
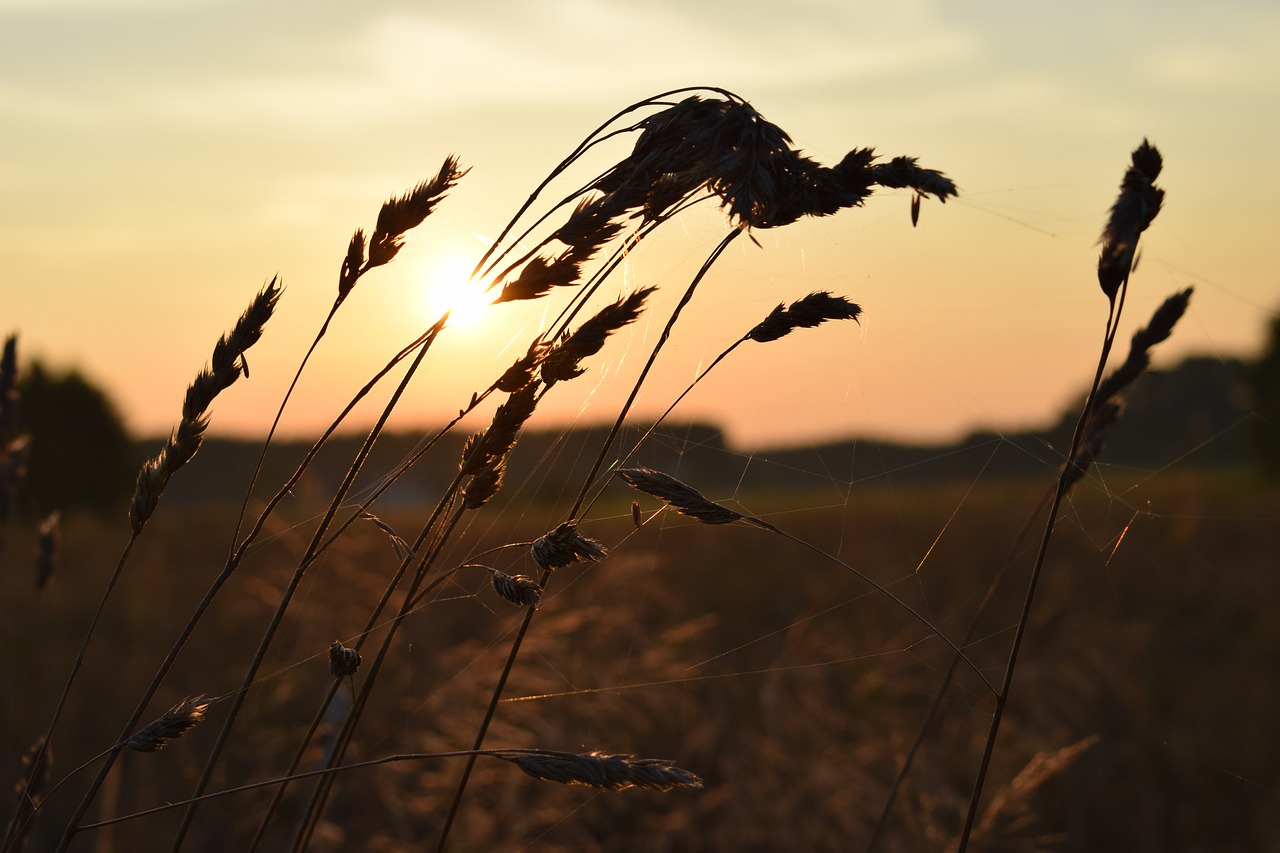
(514, 652)
(287, 597)
(1059, 493)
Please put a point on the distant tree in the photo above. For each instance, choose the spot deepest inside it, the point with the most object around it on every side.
(1264, 376)
(81, 453)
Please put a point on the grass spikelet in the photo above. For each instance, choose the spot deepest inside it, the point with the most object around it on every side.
(47, 548)
(1011, 807)
(1139, 357)
(600, 770)
(175, 723)
(813, 310)
(484, 484)
(1096, 429)
(563, 362)
(398, 544)
(565, 546)
(592, 224)
(1135, 208)
(544, 272)
(226, 366)
(146, 494)
(686, 500)
(343, 661)
(520, 374)
(400, 214)
(352, 265)
(484, 449)
(520, 590)
(906, 173)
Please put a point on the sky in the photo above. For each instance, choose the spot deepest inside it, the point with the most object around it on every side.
(162, 159)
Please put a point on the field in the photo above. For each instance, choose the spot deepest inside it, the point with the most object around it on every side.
(774, 675)
(686, 646)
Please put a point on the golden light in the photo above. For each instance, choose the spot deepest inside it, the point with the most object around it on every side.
(446, 285)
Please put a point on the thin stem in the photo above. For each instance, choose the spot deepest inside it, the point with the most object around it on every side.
(322, 772)
(275, 423)
(936, 703)
(516, 642)
(232, 564)
(13, 833)
(375, 668)
(287, 597)
(1059, 493)
(590, 140)
(879, 587)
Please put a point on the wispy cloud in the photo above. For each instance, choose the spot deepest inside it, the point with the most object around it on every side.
(561, 52)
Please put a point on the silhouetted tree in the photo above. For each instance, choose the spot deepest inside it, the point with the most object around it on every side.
(81, 454)
(1264, 377)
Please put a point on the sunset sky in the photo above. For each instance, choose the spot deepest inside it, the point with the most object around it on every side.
(162, 159)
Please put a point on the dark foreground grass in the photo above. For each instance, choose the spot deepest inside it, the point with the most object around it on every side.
(787, 686)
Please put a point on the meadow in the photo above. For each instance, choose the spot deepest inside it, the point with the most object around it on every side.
(742, 669)
(788, 688)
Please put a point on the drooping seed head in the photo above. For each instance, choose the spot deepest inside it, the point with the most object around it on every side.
(175, 723)
(686, 500)
(565, 546)
(520, 590)
(602, 771)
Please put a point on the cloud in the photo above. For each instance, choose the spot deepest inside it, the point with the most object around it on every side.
(570, 52)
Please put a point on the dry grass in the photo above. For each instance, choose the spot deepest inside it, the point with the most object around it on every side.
(791, 696)
(720, 649)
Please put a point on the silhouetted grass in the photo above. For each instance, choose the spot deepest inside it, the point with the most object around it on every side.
(335, 679)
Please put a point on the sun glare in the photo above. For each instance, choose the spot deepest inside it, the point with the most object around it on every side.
(446, 285)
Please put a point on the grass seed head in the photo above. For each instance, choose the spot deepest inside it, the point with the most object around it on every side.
(812, 310)
(602, 771)
(1136, 207)
(685, 499)
(563, 362)
(175, 723)
(565, 546)
(401, 214)
(343, 661)
(520, 590)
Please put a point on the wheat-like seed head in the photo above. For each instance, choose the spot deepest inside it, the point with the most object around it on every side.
(600, 770)
(563, 362)
(520, 590)
(685, 499)
(176, 722)
(812, 310)
(565, 546)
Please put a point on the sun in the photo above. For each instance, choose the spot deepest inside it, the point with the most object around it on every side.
(446, 285)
